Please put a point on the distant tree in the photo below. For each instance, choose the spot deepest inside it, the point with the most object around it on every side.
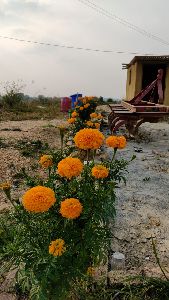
(13, 96)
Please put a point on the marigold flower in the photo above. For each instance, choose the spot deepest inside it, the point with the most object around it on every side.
(84, 101)
(74, 114)
(116, 142)
(5, 186)
(89, 138)
(81, 108)
(121, 142)
(70, 167)
(38, 199)
(112, 141)
(89, 123)
(71, 120)
(87, 105)
(46, 161)
(97, 125)
(57, 247)
(93, 115)
(71, 208)
(100, 171)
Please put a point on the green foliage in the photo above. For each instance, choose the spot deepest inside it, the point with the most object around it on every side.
(87, 238)
(135, 288)
(13, 96)
(32, 148)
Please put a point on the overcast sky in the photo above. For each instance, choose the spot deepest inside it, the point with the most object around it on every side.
(61, 72)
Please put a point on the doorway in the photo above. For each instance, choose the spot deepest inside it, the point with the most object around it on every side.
(150, 72)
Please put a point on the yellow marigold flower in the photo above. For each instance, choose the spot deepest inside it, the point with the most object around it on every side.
(46, 161)
(86, 105)
(81, 108)
(88, 138)
(100, 171)
(71, 208)
(70, 167)
(93, 115)
(112, 141)
(74, 114)
(90, 271)
(5, 186)
(89, 123)
(38, 199)
(57, 247)
(71, 120)
(121, 142)
(97, 125)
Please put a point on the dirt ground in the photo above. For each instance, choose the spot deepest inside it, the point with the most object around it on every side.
(142, 204)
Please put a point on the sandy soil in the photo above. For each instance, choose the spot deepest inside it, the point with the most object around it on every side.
(143, 203)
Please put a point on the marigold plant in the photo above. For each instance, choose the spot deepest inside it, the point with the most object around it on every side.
(71, 208)
(88, 138)
(99, 171)
(38, 199)
(70, 167)
(74, 202)
(57, 247)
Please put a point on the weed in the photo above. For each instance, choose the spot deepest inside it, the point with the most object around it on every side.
(32, 148)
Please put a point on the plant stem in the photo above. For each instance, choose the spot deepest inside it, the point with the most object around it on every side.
(115, 150)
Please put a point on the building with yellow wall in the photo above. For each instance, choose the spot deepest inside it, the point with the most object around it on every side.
(141, 71)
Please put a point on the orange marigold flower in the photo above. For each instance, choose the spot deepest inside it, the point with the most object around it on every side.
(93, 115)
(100, 171)
(84, 101)
(116, 142)
(81, 108)
(89, 138)
(71, 208)
(97, 125)
(46, 161)
(57, 247)
(70, 167)
(112, 141)
(121, 142)
(74, 114)
(38, 199)
(86, 105)
(89, 123)
(71, 120)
